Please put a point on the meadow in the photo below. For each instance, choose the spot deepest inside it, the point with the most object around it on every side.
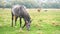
(43, 22)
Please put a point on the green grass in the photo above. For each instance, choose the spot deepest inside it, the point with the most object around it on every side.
(42, 22)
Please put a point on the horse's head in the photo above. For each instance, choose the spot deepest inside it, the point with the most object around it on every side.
(28, 22)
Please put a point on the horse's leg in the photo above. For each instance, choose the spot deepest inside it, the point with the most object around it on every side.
(24, 24)
(12, 20)
(20, 21)
(15, 19)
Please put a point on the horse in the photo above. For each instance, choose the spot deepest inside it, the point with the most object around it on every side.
(21, 12)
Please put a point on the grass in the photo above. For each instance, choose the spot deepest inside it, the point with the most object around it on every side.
(43, 22)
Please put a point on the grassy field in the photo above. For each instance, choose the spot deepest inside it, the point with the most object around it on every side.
(43, 22)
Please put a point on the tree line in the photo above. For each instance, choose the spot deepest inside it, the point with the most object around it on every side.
(28, 4)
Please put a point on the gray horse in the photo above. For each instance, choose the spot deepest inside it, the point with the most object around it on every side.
(21, 12)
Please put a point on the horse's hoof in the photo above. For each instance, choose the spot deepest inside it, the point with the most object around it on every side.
(20, 30)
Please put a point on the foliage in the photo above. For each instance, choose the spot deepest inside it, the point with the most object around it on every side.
(30, 3)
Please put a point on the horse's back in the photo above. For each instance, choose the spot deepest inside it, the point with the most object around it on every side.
(16, 10)
(19, 10)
